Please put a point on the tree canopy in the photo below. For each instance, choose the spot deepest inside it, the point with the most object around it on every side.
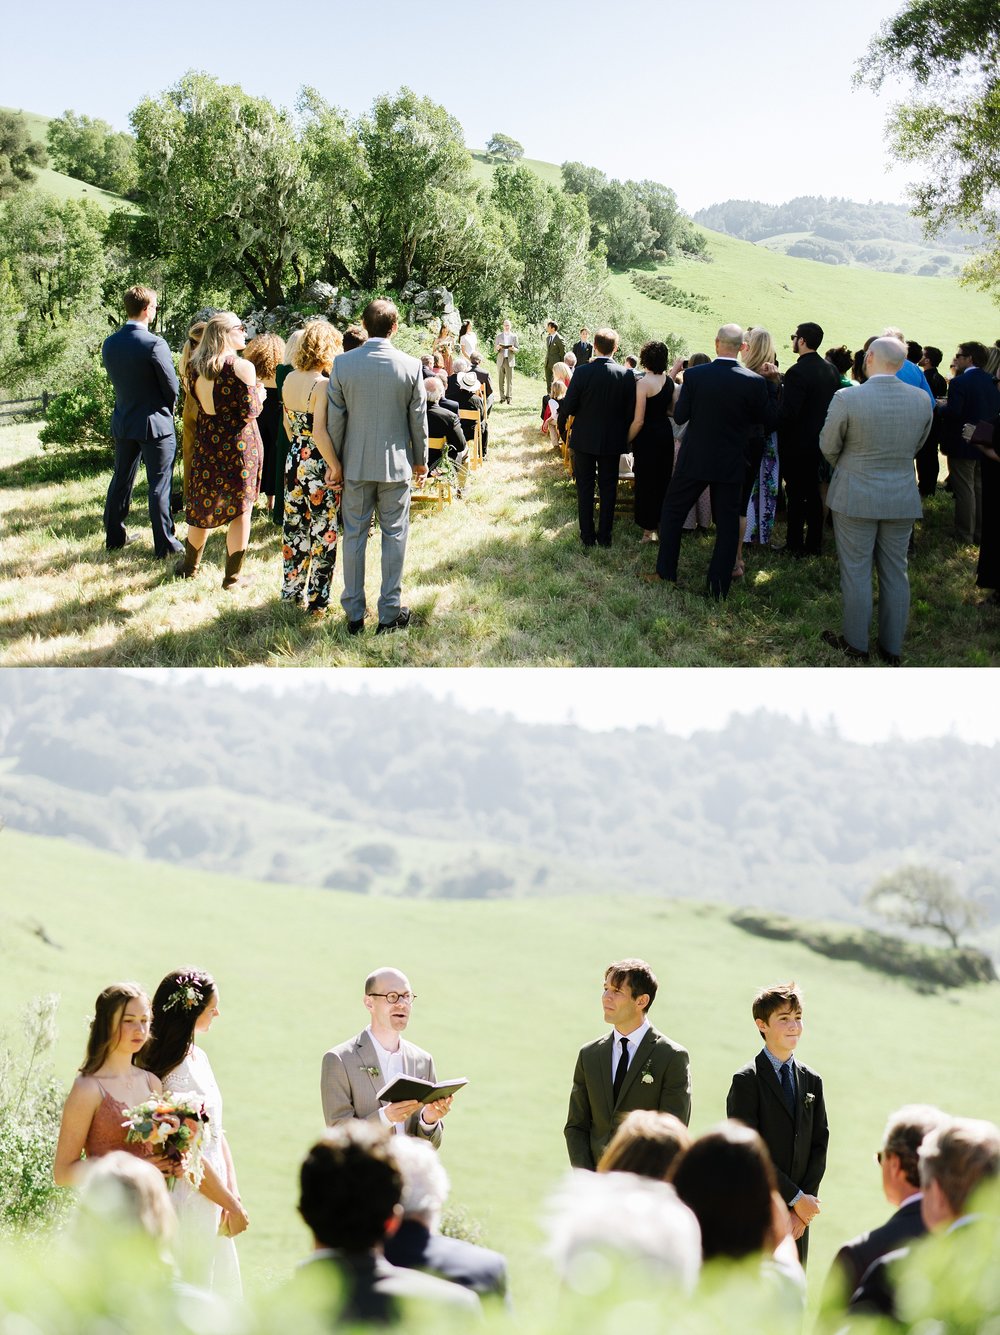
(923, 898)
(18, 154)
(504, 147)
(92, 151)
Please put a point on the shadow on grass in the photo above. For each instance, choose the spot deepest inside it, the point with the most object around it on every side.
(58, 464)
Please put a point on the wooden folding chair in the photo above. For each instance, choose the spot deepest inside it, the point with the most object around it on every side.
(476, 443)
(567, 449)
(433, 490)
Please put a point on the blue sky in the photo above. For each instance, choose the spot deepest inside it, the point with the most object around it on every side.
(716, 100)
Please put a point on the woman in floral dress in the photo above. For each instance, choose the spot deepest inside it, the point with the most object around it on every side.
(313, 475)
(228, 455)
(185, 1005)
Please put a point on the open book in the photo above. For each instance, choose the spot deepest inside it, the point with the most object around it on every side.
(406, 1087)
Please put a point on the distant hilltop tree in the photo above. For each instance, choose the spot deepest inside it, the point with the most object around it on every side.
(18, 153)
(505, 148)
(92, 151)
(921, 897)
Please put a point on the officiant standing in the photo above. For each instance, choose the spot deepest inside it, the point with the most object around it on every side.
(354, 1072)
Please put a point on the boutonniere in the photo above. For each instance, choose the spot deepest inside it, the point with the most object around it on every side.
(809, 1099)
(646, 1075)
(374, 1072)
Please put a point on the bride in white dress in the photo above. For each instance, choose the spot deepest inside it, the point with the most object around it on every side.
(185, 1005)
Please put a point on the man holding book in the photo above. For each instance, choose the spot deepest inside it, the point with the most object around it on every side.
(354, 1072)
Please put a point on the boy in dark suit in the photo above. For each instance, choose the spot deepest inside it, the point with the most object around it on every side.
(783, 1101)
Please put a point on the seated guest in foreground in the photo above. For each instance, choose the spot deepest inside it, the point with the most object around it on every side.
(648, 1143)
(349, 1197)
(727, 1178)
(313, 474)
(601, 399)
(443, 423)
(957, 1158)
(871, 436)
(782, 1099)
(418, 1244)
(898, 1161)
(228, 456)
(651, 437)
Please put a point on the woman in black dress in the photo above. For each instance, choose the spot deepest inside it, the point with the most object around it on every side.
(651, 438)
(267, 352)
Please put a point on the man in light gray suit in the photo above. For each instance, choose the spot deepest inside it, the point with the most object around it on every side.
(871, 435)
(354, 1072)
(377, 420)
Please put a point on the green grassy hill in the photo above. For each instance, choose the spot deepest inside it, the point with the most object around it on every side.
(489, 975)
(57, 183)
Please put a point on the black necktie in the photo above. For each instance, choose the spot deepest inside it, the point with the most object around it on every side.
(786, 1086)
(622, 1071)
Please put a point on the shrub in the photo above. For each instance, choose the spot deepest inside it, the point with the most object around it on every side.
(81, 415)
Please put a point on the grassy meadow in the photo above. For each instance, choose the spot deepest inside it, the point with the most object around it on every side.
(498, 579)
(489, 976)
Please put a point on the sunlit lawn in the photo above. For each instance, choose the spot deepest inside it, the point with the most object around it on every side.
(496, 579)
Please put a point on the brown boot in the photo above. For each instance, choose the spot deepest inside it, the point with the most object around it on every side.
(234, 564)
(188, 568)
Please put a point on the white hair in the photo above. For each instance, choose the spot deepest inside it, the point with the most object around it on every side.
(434, 389)
(425, 1182)
(652, 1227)
(459, 365)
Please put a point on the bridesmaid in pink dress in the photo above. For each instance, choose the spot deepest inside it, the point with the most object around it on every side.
(108, 1084)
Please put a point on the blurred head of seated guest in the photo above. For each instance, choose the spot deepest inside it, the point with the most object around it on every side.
(121, 1193)
(647, 1143)
(570, 361)
(606, 1227)
(956, 1159)
(354, 336)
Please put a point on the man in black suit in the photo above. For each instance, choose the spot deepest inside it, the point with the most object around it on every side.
(418, 1245)
(973, 397)
(601, 400)
(720, 402)
(809, 385)
(141, 370)
(555, 349)
(583, 349)
(442, 423)
(899, 1164)
(783, 1101)
(634, 1066)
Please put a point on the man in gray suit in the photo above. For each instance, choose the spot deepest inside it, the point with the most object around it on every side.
(871, 435)
(354, 1072)
(377, 420)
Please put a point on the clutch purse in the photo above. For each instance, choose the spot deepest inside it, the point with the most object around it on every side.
(983, 434)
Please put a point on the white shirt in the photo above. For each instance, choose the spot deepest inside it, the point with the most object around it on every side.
(391, 1065)
(634, 1039)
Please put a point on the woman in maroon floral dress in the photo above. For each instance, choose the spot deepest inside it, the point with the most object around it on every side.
(228, 455)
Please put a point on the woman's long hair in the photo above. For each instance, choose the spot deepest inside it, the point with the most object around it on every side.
(106, 1026)
(190, 345)
(760, 349)
(180, 999)
(210, 355)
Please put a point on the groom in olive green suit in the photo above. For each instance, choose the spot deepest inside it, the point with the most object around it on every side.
(632, 1067)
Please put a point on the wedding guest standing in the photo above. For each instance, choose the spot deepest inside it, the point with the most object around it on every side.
(186, 1004)
(108, 1084)
(760, 481)
(444, 347)
(189, 410)
(505, 348)
(651, 437)
(313, 475)
(141, 371)
(583, 349)
(282, 443)
(467, 340)
(267, 352)
(226, 466)
(555, 349)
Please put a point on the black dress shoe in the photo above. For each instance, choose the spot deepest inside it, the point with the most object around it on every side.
(401, 623)
(891, 660)
(129, 539)
(355, 627)
(604, 542)
(836, 641)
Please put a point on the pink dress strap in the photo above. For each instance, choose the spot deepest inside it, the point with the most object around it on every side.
(106, 1132)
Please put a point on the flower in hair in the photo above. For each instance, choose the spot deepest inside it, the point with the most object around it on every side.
(187, 994)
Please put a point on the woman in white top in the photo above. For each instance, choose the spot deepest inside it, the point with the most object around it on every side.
(467, 339)
(184, 1006)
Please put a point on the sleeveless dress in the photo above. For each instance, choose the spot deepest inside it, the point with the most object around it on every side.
(653, 459)
(205, 1257)
(106, 1132)
(309, 532)
(228, 456)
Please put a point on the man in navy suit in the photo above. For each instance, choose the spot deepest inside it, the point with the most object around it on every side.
(900, 1168)
(972, 397)
(601, 400)
(720, 402)
(783, 1101)
(141, 370)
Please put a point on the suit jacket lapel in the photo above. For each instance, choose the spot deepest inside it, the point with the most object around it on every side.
(367, 1058)
(767, 1074)
(603, 1054)
(636, 1064)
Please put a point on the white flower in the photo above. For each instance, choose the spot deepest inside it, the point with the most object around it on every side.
(647, 1079)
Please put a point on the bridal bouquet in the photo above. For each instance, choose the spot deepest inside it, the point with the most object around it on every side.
(171, 1125)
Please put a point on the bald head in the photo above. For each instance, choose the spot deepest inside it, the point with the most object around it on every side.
(729, 340)
(885, 356)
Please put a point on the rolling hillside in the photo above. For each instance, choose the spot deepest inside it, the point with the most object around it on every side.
(290, 961)
(57, 183)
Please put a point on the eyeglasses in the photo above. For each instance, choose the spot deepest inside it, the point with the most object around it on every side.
(393, 997)
(237, 328)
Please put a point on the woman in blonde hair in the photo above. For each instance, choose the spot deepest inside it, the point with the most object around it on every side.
(227, 458)
(189, 412)
(760, 481)
(313, 475)
(108, 1084)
